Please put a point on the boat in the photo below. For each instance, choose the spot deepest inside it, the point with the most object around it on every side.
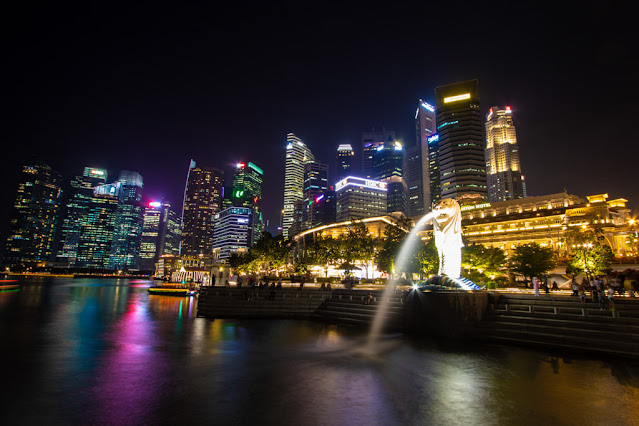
(174, 289)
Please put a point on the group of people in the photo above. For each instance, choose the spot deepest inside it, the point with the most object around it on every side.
(543, 285)
(601, 292)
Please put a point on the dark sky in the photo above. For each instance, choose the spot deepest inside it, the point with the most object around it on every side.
(147, 87)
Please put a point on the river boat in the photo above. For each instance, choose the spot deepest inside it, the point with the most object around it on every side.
(174, 289)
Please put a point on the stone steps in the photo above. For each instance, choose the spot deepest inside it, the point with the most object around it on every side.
(346, 307)
(564, 322)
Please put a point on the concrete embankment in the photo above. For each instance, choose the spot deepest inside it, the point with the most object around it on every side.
(558, 322)
(562, 322)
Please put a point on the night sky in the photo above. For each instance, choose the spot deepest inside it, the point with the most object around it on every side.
(148, 87)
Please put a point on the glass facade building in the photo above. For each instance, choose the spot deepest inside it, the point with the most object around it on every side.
(315, 185)
(358, 198)
(388, 167)
(233, 231)
(202, 200)
(370, 142)
(78, 209)
(503, 171)
(416, 168)
(457, 159)
(297, 155)
(161, 234)
(247, 192)
(345, 155)
(34, 220)
(128, 225)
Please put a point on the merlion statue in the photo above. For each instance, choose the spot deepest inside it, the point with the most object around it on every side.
(447, 230)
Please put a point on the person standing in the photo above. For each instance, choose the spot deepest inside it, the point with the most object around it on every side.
(536, 286)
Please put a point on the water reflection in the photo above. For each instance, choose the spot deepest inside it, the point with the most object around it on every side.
(100, 351)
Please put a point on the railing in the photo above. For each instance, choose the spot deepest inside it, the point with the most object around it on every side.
(559, 310)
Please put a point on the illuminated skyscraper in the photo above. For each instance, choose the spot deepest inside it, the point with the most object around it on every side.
(370, 142)
(388, 167)
(359, 198)
(416, 169)
(315, 185)
(161, 234)
(345, 155)
(297, 155)
(503, 171)
(35, 216)
(202, 199)
(77, 213)
(233, 231)
(247, 192)
(128, 225)
(456, 157)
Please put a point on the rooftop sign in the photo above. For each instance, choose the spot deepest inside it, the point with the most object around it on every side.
(355, 181)
(457, 98)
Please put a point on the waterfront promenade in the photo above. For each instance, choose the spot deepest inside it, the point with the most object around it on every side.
(556, 320)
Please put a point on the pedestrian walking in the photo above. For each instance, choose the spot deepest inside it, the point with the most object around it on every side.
(575, 288)
(536, 286)
(611, 297)
(582, 294)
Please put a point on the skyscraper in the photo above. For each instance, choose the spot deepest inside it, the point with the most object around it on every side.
(370, 142)
(247, 192)
(359, 198)
(77, 212)
(35, 215)
(456, 157)
(202, 199)
(128, 225)
(233, 231)
(345, 155)
(388, 167)
(297, 155)
(97, 227)
(503, 171)
(315, 184)
(416, 168)
(161, 234)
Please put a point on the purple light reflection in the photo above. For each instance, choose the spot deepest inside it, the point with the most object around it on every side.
(131, 371)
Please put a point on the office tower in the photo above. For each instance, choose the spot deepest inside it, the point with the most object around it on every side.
(416, 169)
(161, 234)
(297, 155)
(388, 167)
(233, 231)
(456, 156)
(503, 171)
(97, 227)
(77, 209)
(315, 184)
(202, 199)
(345, 155)
(35, 215)
(247, 192)
(370, 142)
(128, 225)
(359, 198)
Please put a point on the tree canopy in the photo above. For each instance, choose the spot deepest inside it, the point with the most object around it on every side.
(532, 260)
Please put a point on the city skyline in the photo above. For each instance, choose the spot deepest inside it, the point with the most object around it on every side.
(76, 105)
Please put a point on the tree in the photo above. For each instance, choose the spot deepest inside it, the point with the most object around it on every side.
(325, 252)
(268, 253)
(590, 260)
(392, 239)
(532, 260)
(428, 258)
(488, 262)
(358, 246)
